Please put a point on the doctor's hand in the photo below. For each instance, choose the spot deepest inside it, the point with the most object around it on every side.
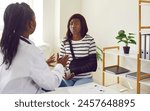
(62, 60)
(51, 60)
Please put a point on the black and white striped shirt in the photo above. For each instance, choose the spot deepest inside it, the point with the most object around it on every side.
(81, 48)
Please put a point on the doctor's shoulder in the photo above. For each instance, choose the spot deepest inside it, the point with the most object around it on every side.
(27, 49)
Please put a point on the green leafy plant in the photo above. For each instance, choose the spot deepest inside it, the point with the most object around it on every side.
(127, 39)
(99, 53)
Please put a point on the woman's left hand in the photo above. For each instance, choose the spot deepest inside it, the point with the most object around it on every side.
(69, 76)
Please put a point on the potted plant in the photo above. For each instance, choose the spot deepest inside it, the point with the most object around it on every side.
(127, 39)
(99, 53)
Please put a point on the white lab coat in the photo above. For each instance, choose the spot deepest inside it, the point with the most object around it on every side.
(29, 72)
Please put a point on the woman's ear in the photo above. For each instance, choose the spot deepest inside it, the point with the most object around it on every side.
(28, 26)
(32, 25)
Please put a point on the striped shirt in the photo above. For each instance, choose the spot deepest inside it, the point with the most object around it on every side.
(81, 48)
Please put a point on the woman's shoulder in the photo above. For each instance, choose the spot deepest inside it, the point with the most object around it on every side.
(64, 39)
(89, 37)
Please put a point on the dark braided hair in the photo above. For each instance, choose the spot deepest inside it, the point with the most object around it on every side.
(84, 28)
(16, 16)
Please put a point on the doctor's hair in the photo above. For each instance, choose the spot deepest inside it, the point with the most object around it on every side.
(84, 28)
(16, 17)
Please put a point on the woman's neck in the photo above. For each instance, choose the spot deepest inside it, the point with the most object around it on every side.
(25, 35)
(76, 37)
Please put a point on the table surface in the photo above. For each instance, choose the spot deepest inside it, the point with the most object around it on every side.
(88, 88)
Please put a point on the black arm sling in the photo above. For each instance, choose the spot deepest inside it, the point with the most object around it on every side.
(82, 64)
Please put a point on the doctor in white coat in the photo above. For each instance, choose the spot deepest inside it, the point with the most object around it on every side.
(23, 68)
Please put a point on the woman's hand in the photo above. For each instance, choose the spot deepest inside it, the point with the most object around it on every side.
(51, 60)
(69, 76)
(62, 60)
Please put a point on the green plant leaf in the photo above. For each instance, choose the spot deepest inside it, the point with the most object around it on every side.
(131, 34)
(99, 49)
(119, 41)
(99, 53)
(130, 37)
(132, 41)
(121, 32)
(120, 37)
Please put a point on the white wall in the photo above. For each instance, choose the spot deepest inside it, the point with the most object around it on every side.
(106, 17)
(48, 23)
(67, 9)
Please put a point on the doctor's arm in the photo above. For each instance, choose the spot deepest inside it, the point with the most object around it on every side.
(45, 77)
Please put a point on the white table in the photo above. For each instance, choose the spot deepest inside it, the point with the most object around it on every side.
(89, 88)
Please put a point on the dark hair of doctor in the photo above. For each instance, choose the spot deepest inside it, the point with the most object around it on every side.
(18, 20)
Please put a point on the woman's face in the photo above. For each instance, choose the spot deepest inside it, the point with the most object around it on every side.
(75, 26)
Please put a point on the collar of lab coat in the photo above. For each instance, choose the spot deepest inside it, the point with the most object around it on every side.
(26, 40)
